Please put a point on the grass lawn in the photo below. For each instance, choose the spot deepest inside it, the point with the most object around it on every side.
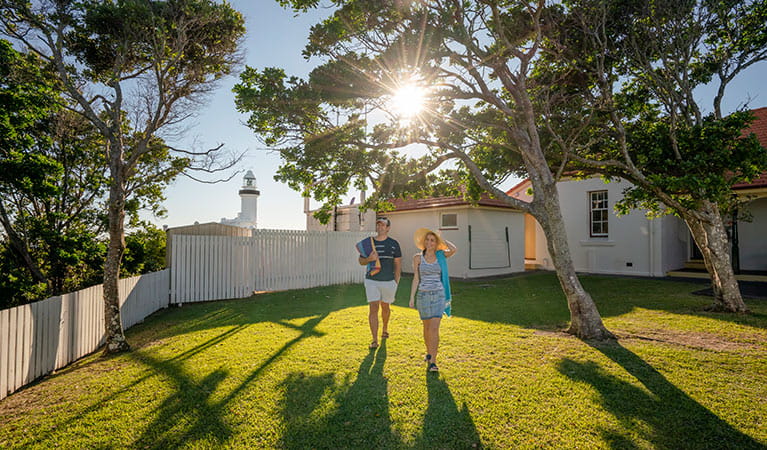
(292, 370)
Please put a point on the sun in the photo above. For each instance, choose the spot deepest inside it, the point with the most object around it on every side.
(408, 101)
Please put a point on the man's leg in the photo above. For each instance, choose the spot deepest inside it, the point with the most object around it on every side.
(373, 319)
(388, 293)
(385, 313)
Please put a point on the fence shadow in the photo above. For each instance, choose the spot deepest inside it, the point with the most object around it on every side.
(661, 414)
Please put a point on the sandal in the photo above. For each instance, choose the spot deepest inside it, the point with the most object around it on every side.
(373, 345)
(433, 368)
(385, 335)
(427, 358)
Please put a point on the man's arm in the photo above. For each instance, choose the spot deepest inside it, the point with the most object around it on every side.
(372, 257)
(397, 269)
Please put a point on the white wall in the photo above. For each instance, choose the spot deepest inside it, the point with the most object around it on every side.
(675, 246)
(635, 245)
(486, 223)
(752, 239)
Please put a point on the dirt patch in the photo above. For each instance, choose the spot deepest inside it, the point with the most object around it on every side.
(692, 339)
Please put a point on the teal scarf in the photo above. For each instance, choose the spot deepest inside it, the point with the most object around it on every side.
(442, 260)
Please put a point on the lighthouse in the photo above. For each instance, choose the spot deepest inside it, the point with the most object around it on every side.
(249, 203)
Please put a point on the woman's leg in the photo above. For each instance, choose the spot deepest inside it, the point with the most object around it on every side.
(426, 335)
(433, 342)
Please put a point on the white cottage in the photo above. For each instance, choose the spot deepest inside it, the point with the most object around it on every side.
(602, 242)
(490, 236)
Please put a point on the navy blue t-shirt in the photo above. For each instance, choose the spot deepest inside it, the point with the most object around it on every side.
(387, 250)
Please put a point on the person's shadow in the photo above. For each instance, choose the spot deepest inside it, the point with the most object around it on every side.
(360, 420)
(657, 412)
(445, 425)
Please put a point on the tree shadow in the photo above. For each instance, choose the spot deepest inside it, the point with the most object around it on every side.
(360, 419)
(445, 425)
(188, 414)
(661, 414)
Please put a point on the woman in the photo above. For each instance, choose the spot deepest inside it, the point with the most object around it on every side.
(431, 280)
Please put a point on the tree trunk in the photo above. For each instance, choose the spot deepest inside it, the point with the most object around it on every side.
(20, 248)
(585, 321)
(115, 337)
(711, 237)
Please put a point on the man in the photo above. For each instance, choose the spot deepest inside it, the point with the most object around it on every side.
(381, 287)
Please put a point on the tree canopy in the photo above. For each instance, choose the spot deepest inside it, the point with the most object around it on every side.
(629, 98)
(135, 69)
(470, 62)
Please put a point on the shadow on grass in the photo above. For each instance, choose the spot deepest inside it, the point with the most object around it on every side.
(361, 416)
(535, 300)
(276, 307)
(445, 425)
(666, 416)
(188, 415)
(360, 419)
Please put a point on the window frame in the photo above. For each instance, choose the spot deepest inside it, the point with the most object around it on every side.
(442, 225)
(605, 221)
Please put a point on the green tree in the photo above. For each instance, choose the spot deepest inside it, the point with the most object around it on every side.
(644, 121)
(144, 250)
(148, 61)
(479, 126)
(51, 174)
(27, 102)
(60, 230)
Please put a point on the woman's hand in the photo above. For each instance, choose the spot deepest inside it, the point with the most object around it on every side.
(451, 249)
(412, 303)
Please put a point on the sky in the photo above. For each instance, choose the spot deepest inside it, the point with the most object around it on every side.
(275, 38)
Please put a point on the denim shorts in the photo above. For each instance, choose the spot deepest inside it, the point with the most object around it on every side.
(430, 304)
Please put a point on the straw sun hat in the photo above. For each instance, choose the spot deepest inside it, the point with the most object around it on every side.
(420, 236)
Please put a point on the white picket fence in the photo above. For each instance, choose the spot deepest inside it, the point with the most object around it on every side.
(218, 267)
(40, 337)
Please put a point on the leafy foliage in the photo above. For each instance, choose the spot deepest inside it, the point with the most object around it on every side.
(337, 129)
(713, 157)
(144, 251)
(135, 69)
(644, 121)
(28, 99)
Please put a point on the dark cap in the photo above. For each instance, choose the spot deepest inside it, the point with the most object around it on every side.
(384, 220)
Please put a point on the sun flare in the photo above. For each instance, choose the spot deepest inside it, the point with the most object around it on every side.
(408, 101)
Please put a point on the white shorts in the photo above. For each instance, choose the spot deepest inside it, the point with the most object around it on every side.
(380, 290)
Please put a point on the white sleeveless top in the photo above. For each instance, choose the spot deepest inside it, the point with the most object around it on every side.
(431, 276)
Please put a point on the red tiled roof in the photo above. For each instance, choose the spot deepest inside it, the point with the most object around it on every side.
(441, 202)
(759, 128)
(758, 182)
(759, 125)
(518, 186)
